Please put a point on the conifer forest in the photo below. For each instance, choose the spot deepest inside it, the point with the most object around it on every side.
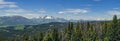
(85, 31)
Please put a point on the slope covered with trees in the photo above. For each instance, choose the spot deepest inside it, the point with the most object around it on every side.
(86, 31)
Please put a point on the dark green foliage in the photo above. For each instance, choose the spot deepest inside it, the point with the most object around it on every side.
(115, 28)
(47, 37)
(69, 32)
(77, 34)
(55, 35)
(40, 36)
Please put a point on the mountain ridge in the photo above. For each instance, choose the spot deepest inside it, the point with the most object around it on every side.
(20, 20)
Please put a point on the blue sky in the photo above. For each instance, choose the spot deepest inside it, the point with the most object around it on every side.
(68, 9)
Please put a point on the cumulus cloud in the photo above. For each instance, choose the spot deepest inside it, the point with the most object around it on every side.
(73, 11)
(114, 12)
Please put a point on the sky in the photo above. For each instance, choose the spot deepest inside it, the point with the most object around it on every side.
(68, 9)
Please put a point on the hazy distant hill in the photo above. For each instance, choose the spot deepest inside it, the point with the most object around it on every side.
(19, 20)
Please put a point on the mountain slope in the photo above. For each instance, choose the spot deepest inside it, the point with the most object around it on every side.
(14, 20)
(19, 20)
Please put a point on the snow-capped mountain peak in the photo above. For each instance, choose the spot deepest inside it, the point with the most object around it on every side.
(48, 17)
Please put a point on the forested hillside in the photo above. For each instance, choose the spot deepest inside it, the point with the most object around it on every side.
(85, 31)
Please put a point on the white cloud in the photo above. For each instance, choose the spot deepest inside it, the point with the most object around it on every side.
(115, 8)
(13, 6)
(42, 10)
(73, 11)
(29, 16)
(8, 6)
(87, 5)
(114, 12)
(4, 4)
(1, 0)
(18, 10)
(102, 19)
(11, 9)
(61, 12)
(97, 18)
(97, 0)
(8, 14)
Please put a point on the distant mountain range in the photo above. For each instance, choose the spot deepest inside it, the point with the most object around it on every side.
(20, 20)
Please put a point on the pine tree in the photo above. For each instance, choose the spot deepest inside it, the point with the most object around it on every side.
(118, 32)
(115, 28)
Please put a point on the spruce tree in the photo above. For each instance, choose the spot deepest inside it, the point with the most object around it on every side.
(114, 27)
(118, 32)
